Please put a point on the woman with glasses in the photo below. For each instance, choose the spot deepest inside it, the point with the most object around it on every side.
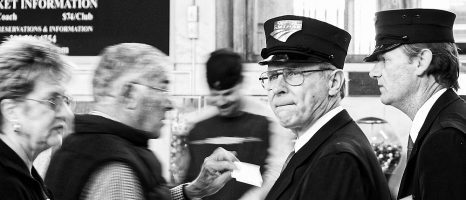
(34, 113)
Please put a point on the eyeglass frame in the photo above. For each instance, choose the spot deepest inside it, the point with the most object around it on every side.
(151, 87)
(55, 106)
(261, 78)
(164, 91)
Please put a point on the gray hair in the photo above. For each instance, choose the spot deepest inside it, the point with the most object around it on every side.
(326, 65)
(25, 59)
(121, 59)
(444, 65)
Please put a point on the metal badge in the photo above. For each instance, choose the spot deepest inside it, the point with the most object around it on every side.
(283, 29)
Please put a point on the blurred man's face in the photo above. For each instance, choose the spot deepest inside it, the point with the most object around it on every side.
(395, 75)
(227, 101)
(153, 103)
(298, 106)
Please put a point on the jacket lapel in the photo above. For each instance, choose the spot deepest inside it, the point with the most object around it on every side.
(445, 100)
(12, 161)
(307, 151)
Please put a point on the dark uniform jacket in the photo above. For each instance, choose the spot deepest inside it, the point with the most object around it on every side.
(336, 163)
(436, 168)
(246, 134)
(16, 183)
(99, 141)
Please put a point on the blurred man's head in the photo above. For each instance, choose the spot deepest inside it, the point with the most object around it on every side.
(414, 50)
(131, 82)
(224, 75)
(305, 58)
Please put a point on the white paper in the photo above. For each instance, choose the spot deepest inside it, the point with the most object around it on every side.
(247, 173)
(410, 197)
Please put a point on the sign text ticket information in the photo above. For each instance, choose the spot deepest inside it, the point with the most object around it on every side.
(85, 27)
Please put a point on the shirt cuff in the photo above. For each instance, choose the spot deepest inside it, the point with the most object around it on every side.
(177, 193)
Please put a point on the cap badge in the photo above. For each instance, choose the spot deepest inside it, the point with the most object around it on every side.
(283, 29)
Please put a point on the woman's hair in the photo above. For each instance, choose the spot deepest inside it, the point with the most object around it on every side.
(444, 65)
(25, 59)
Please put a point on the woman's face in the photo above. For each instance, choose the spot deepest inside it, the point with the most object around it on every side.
(43, 123)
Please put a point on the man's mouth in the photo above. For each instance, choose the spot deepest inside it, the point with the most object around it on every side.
(225, 106)
(277, 105)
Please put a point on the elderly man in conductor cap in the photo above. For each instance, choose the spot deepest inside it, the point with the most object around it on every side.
(332, 158)
(417, 69)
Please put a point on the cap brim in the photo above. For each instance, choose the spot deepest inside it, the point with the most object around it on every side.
(379, 50)
(275, 58)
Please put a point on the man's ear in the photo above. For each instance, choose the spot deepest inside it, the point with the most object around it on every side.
(425, 57)
(337, 78)
(128, 96)
(7, 107)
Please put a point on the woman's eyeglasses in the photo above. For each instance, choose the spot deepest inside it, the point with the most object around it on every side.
(56, 102)
(291, 76)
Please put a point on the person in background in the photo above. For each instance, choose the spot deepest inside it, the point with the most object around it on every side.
(417, 71)
(107, 156)
(332, 158)
(34, 113)
(232, 127)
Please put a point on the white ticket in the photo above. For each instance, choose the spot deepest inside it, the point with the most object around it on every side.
(247, 173)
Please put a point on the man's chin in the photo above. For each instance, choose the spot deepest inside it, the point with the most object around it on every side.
(385, 101)
(225, 112)
(287, 123)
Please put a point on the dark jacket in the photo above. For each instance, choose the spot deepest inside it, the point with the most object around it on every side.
(436, 168)
(99, 141)
(16, 182)
(336, 163)
(246, 134)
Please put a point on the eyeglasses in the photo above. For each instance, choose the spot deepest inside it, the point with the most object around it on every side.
(291, 76)
(56, 102)
(168, 104)
(151, 87)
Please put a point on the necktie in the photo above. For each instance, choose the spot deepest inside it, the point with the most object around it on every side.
(410, 145)
(287, 160)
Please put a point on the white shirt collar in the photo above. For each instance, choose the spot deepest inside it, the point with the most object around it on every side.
(301, 141)
(421, 114)
(104, 115)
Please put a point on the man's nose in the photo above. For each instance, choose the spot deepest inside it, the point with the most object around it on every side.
(375, 72)
(168, 105)
(278, 86)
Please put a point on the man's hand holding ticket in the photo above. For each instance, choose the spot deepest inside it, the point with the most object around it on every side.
(247, 173)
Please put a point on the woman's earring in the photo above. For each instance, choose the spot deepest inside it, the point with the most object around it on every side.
(16, 127)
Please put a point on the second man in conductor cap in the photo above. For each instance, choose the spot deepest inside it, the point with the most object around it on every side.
(417, 69)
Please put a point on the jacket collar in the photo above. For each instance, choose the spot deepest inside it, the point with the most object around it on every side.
(442, 102)
(338, 121)
(11, 160)
(447, 98)
(94, 124)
